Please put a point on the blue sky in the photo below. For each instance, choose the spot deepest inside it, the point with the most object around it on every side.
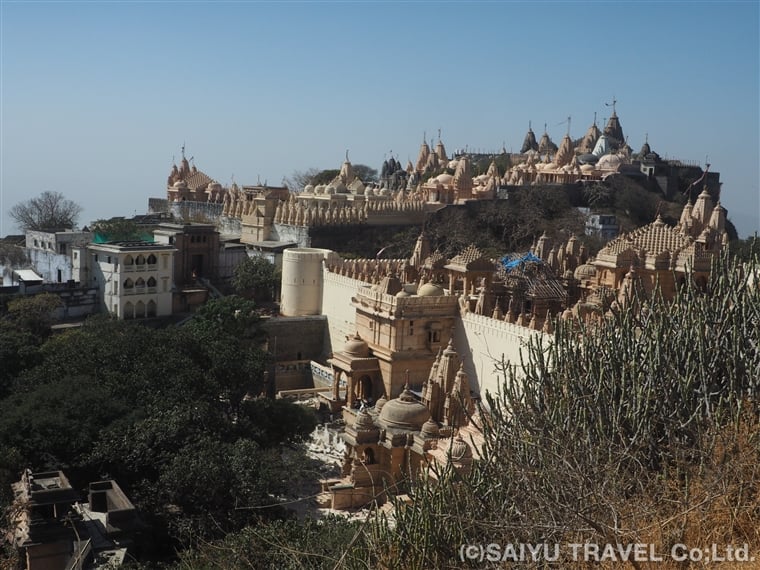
(98, 97)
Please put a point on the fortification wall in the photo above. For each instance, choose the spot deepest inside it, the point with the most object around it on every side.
(337, 292)
(191, 211)
(78, 302)
(287, 232)
(158, 205)
(229, 226)
(295, 338)
(482, 342)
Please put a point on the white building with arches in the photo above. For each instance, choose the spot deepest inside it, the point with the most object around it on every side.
(135, 279)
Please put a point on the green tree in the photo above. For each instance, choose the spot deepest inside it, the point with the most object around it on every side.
(285, 544)
(365, 173)
(230, 344)
(325, 176)
(256, 277)
(34, 313)
(117, 229)
(19, 351)
(163, 412)
(48, 211)
(299, 179)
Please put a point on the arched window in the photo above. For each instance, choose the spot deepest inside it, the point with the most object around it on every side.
(129, 310)
(140, 283)
(151, 308)
(151, 281)
(129, 260)
(140, 310)
(152, 259)
(140, 259)
(128, 283)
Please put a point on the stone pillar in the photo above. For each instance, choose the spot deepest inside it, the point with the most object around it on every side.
(350, 394)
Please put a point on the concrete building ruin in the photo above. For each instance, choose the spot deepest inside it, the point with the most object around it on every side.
(54, 528)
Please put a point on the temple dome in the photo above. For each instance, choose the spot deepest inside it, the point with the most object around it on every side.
(429, 429)
(356, 347)
(430, 290)
(459, 450)
(364, 421)
(404, 413)
(585, 271)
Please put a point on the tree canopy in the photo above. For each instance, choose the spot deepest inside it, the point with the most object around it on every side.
(256, 277)
(48, 211)
(174, 415)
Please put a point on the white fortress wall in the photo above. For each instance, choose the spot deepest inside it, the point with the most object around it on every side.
(337, 292)
(482, 342)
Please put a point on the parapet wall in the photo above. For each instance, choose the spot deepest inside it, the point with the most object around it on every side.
(487, 341)
(295, 338)
(196, 211)
(336, 305)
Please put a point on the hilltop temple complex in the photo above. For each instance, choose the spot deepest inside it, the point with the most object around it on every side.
(404, 196)
(424, 338)
(411, 345)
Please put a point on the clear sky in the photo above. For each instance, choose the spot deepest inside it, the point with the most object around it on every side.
(98, 97)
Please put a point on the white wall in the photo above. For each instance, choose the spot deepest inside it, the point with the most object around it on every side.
(337, 291)
(482, 342)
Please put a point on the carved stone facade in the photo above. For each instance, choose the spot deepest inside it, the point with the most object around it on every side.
(655, 256)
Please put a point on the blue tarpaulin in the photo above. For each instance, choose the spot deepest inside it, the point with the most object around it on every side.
(510, 263)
